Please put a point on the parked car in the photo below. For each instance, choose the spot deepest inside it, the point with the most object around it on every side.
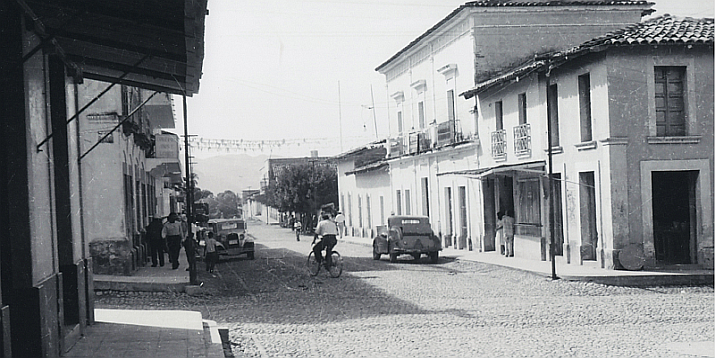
(232, 237)
(411, 235)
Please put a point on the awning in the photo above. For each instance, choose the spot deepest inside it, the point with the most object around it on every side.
(534, 167)
(152, 44)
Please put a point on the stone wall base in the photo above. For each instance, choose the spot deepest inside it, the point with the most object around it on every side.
(112, 257)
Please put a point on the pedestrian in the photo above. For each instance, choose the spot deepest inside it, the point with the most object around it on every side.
(340, 221)
(297, 226)
(210, 252)
(291, 222)
(156, 242)
(500, 232)
(508, 224)
(173, 232)
(189, 242)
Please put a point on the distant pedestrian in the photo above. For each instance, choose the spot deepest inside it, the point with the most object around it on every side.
(173, 232)
(506, 224)
(210, 252)
(297, 226)
(340, 220)
(189, 244)
(156, 242)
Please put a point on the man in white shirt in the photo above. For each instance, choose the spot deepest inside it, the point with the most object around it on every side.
(328, 230)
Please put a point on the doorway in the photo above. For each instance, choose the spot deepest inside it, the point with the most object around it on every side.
(673, 216)
(490, 222)
(587, 199)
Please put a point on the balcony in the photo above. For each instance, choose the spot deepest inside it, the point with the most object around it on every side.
(419, 142)
(396, 147)
(522, 140)
(499, 144)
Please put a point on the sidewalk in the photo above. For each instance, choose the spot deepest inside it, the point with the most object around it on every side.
(575, 272)
(149, 333)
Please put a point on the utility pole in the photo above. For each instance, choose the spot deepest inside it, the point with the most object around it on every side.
(552, 248)
(189, 197)
(374, 119)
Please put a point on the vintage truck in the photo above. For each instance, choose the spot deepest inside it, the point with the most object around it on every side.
(232, 237)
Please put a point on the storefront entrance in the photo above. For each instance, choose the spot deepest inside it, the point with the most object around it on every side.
(673, 216)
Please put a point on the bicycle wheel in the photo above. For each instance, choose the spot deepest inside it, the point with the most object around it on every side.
(313, 266)
(336, 267)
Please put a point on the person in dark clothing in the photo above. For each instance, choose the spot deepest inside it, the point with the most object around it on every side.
(156, 242)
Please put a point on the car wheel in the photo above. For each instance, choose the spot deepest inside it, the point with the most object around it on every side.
(375, 255)
(416, 256)
(393, 257)
(434, 257)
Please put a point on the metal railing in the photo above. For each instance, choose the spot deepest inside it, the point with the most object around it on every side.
(522, 139)
(499, 144)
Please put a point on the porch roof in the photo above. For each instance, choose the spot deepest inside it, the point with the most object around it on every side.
(152, 44)
(531, 167)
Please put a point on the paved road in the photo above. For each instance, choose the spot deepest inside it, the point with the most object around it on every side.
(273, 308)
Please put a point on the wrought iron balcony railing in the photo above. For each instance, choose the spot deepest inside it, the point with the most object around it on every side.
(522, 139)
(499, 144)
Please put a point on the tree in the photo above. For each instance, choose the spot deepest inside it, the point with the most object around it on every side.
(227, 204)
(303, 188)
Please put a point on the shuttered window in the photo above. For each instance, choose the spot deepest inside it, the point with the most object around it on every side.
(670, 101)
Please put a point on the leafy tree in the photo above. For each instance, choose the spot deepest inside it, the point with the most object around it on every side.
(227, 204)
(303, 188)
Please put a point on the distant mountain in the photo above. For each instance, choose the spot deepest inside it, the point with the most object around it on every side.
(235, 172)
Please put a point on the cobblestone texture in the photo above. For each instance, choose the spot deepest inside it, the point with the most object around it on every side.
(273, 308)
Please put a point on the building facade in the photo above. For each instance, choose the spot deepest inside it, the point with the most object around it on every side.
(440, 158)
(46, 296)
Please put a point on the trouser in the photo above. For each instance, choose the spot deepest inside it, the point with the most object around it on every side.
(327, 243)
(189, 248)
(156, 250)
(509, 245)
(174, 244)
(211, 258)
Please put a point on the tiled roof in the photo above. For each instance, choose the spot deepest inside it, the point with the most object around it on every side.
(502, 3)
(663, 30)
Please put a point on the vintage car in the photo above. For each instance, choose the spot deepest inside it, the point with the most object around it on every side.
(406, 235)
(232, 237)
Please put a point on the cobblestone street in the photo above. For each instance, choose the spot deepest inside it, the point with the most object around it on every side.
(273, 308)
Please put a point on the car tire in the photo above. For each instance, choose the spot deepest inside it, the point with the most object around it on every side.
(251, 255)
(393, 257)
(375, 255)
(434, 257)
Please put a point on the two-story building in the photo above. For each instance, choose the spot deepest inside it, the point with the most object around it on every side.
(435, 138)
(629, 118)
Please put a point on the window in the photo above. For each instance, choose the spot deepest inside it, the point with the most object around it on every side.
(425, 197)
(382, 210)
(421, 113)
(450, 105)
(368, 214)
(670, 101)
(499, 115)
(408, 207)
(528, 210)
(522, 108)
(398, 200)
(552, 103)
(360, 211)
(399, 121)
(584, 101)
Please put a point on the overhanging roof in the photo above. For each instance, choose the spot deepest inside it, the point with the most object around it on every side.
(531, 167)
(152, 44)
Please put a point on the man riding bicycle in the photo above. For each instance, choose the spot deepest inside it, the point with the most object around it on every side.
(327, 230)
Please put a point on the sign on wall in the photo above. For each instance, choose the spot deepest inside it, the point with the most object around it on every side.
(167, 146)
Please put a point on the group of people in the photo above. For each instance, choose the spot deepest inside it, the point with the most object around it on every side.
(170, 236)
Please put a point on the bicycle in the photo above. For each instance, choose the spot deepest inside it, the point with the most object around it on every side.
(335, 269)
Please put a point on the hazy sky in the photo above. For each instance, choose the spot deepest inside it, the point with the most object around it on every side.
(302, 69)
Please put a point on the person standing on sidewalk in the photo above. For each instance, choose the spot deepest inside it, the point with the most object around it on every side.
(156, 242)
(340, 221)
(297, 226)
(211, 254)
(173, 232)
(508, 225)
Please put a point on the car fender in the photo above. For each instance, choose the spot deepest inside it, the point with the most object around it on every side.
(381, 244)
